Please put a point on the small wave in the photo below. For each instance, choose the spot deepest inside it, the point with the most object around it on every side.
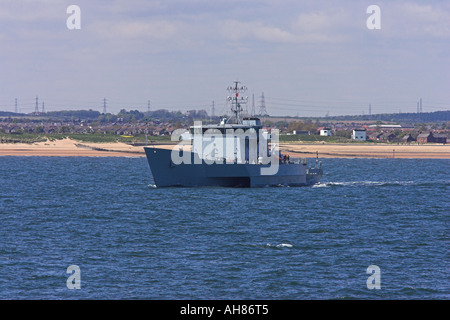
(284, 245)
(376, 183)
(281, 245)
(321, 185)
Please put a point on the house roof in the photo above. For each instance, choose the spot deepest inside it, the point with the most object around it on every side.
(387, 134)
(424, 135)
(375, 135)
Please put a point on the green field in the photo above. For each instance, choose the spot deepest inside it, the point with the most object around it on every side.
(94, 137)
(313, 138)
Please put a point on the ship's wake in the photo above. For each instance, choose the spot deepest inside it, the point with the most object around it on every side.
(378, 183)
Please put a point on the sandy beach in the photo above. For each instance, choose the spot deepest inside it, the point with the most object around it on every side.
(413, 151)
(70, 148)
(67, 147)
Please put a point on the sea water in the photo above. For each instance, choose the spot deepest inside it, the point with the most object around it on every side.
(130, 240)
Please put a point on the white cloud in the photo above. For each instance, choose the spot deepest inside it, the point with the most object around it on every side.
(412, 20)
(156, 29)
(307, 28)
(313, 22)
(237, 30)
(29, 11)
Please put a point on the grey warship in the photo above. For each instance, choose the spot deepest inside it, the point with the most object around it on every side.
(237, 152)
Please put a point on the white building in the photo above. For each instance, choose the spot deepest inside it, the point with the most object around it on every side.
(359, 134)
(326, 132)
(386, 126)
(301, 132)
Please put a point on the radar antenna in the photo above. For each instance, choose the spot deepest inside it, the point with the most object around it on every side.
(236, 100)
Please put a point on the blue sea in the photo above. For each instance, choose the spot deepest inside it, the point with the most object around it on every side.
(131, 240)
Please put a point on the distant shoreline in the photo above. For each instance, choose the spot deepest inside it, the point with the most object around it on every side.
(68, 147)
(413, 151)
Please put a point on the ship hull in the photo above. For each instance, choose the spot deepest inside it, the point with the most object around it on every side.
(167, 174)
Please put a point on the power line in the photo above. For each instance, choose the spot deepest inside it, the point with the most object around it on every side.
(253, 112)
(277, 104)
(36, 108)
(262, 106)
(419, 106)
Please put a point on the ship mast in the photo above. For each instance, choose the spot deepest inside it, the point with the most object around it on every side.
(236, 101)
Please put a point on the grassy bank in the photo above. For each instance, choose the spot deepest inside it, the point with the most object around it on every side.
(313, 138)
(94, 138)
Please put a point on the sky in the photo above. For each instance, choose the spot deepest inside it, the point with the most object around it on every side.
(308, 58)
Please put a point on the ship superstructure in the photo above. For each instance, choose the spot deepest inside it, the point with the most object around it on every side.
(237, 152)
